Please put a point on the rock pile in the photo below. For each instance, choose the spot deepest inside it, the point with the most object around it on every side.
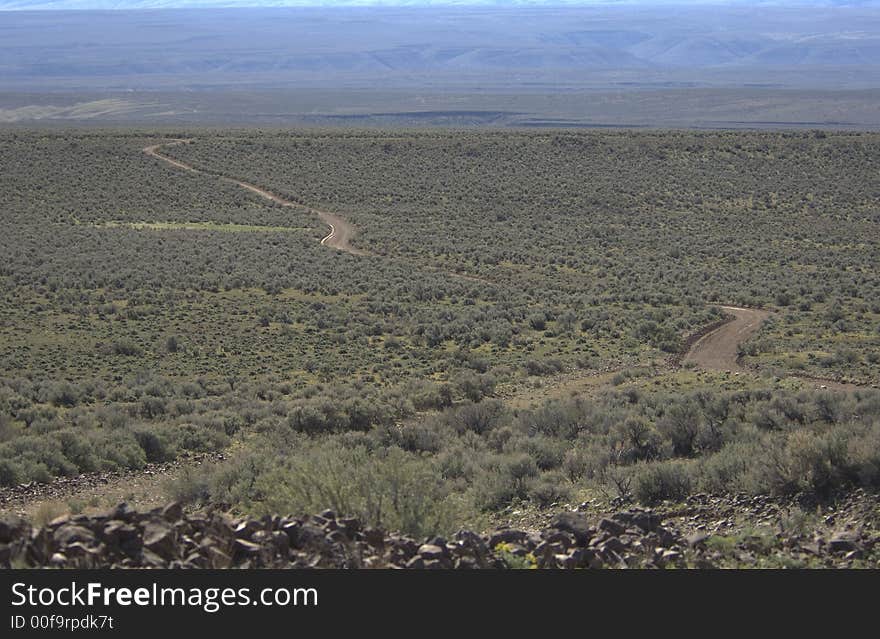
(171, 538)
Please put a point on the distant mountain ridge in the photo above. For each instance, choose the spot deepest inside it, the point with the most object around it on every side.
(533, 48)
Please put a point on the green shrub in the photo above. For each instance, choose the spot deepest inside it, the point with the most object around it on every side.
(818, 463)
(549, 366)
(155, 444)
(478, 418)
(417, 437)
(475, 387)
(863, 450)
(576, 463)
(494, 491)
(10, 473)
(662, 481)
(727, 470)
(638, 439)
(189, 486)
(197, 438)
(564, 419)
(680, 425)
(125, 347)
(78, 449)
(39, 458)
(392, 488)
(152, 407)
(546, 452)
(119, 449)
(64, 394)
(549, 489)
(307, 419)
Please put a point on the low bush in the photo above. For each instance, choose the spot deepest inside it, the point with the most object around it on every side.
(662, 481)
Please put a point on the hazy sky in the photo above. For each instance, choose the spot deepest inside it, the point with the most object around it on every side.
(136, 4)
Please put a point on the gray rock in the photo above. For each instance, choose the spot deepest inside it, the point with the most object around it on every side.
(506, 536)
(666, 538)
(215, 557)
(12, 527)
(586, 558)
(350, 525)
(374, 537)
(559, 538)
(336, 537)
(614, 544)
(159, 538)
(245, 529)
(644, 520)
(70, 533)
(122, 511)
(116, 531)
(697, 539)
(152, 560)
(245, 547)
(844, 541)
(172, 512)
(575, 524)
(79, 549)
(671, 555)
(309, 535)
(430, 551)
(292, 530)
(612, 527)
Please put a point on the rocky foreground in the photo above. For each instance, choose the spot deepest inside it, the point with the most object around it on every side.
(169, 537)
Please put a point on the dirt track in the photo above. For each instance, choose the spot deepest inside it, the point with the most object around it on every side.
(98, 490)
(341, 232)
(717, 350)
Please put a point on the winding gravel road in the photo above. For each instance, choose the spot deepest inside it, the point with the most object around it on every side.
(341, 232)
(717, 350)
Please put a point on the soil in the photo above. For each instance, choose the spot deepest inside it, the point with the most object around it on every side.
(717, 350)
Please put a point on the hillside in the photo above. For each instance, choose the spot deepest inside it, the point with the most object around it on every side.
(430, 330)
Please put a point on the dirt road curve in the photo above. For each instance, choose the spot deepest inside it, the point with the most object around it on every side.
(341, 232)
(718, 350)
